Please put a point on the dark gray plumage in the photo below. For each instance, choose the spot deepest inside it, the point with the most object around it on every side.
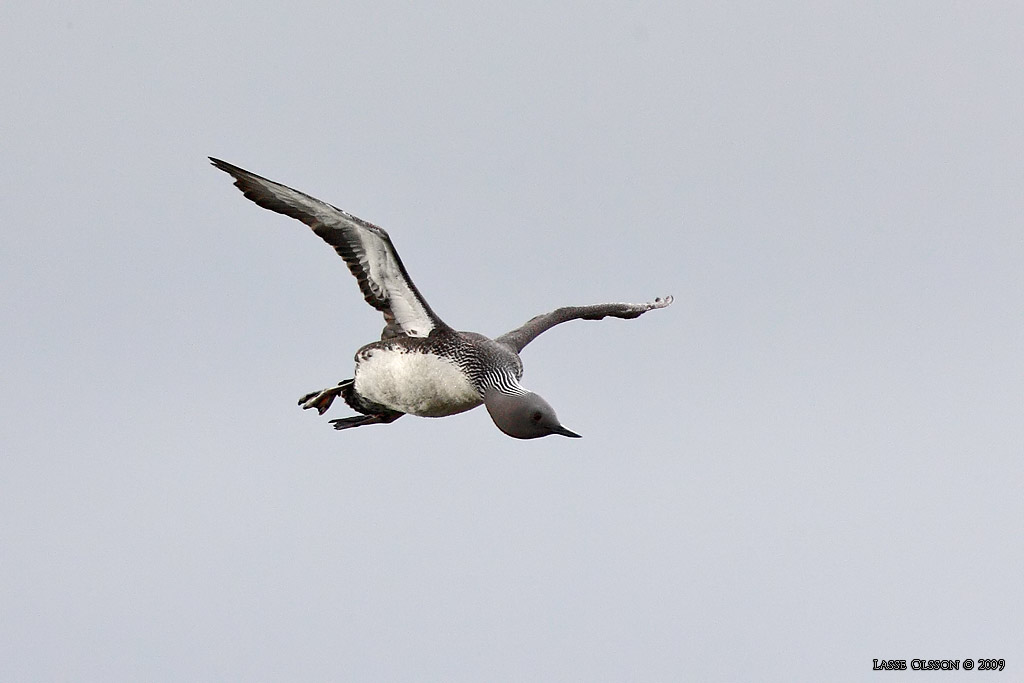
(520, 337)
(421, 366)
(366, 248)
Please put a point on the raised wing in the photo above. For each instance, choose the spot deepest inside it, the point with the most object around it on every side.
(366, 248)
(519, 338)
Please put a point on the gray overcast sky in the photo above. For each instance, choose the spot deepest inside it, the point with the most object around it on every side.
(812, 459)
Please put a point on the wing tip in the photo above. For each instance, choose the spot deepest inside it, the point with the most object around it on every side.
(225, 166)
(246, 181)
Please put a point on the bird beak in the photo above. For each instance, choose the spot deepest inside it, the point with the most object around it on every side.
(565, 432)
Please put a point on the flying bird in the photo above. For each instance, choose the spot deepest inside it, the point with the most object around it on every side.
(421, 366)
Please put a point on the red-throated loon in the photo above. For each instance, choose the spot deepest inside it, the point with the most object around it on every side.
(421, 366)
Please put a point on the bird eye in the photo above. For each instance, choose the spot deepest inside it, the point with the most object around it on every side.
(536, 416)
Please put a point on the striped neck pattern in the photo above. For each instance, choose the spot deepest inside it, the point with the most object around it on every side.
(505, 382)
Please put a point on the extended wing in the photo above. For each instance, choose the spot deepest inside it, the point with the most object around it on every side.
(519, 338)
(366, 248)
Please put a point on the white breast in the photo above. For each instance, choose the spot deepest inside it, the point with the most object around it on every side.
(415, 383)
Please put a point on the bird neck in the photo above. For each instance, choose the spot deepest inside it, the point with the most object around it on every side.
(503, 383)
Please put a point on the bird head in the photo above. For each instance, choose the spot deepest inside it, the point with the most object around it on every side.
(523, 416)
